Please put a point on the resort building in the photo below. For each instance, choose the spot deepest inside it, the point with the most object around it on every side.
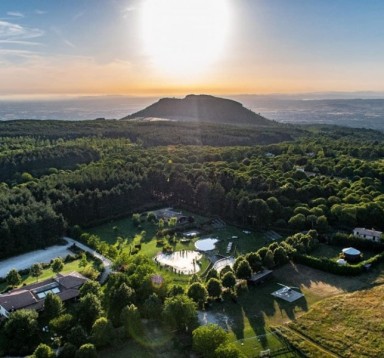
(363, 233)
(33, 296)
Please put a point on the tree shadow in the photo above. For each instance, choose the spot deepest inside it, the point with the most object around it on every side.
(230, 316)
(290, 308)
(256, 306)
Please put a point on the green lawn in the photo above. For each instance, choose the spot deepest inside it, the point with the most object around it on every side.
(243, 244)
(122, 227)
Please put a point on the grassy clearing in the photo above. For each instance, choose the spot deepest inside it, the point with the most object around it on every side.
(349, 325)
(122, 227)
(243, 244)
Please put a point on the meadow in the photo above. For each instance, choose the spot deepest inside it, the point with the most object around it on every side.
(346, 325)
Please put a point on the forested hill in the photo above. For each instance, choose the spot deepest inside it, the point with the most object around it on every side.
(203, 108)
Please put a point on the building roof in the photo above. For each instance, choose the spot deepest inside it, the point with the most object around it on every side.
(351, 251)
(260, 276)
(33, 296)
(17, 300)
(72, 280)
(370, 232)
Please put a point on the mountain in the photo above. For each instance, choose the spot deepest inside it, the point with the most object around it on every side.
(203, 108)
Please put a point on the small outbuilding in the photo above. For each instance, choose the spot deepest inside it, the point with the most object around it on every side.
(351, 254)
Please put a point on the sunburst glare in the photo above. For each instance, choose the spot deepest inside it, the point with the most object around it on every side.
(184, 37)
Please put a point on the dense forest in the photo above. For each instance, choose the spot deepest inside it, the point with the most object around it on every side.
(58, 174)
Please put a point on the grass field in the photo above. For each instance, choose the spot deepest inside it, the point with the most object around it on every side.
(350, 325)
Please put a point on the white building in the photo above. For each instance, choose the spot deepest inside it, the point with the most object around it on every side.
(363, 233)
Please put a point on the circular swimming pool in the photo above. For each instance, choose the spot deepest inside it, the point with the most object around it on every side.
(206, 244)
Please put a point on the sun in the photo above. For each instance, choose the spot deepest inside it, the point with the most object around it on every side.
(184, 37)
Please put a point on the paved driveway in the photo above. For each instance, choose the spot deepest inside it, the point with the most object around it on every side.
(27, 260)
(24, 261)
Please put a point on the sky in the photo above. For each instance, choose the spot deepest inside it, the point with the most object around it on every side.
(175, 47)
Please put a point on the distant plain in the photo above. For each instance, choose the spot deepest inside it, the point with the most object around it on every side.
(359, 112)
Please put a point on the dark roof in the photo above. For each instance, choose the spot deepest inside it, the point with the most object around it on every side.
(260, 276)
(16, 300)
(68, 294)
(72, 280)
(28, 296)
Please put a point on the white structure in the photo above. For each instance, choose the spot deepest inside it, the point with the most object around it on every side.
(226, 261)
(363, 233)
(342, 262)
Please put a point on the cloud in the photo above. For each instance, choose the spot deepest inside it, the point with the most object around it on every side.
(19, 42)
(14, 38)
(40, 12)
(10, 31)
(15, 14)
(4, 51)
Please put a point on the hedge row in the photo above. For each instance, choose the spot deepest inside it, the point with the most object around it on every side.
(346, 240)
(331, 266)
